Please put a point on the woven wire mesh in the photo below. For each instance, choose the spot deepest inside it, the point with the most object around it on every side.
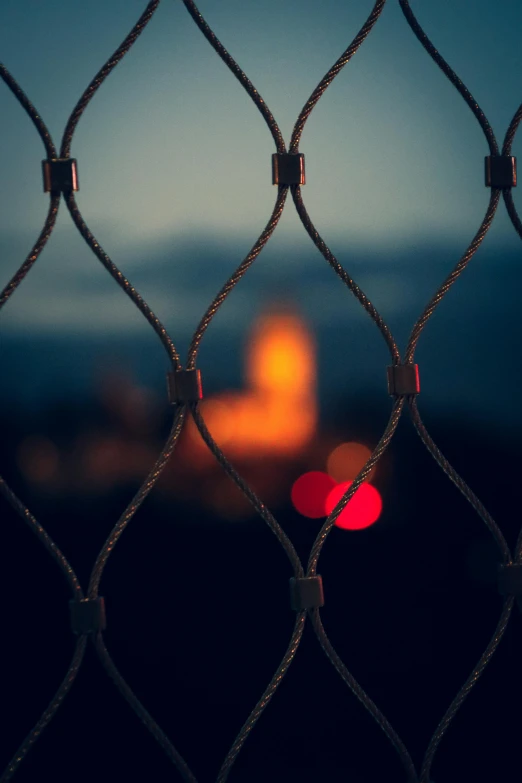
(404, 405)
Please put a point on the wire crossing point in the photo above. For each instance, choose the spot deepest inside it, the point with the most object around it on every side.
(288, 169)
(184, 386)
(87, 616)
(306, 593)
(403, 379)
(60, 175)
(510, 579)
(501, 171)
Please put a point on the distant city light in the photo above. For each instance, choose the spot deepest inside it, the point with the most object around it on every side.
(347, 460)
(276, 411)
(362, 510)
(309, 493)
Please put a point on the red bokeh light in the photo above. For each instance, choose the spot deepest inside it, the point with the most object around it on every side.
(309, 493)
(362, 510)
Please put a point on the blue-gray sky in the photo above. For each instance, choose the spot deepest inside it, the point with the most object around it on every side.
(172, 150)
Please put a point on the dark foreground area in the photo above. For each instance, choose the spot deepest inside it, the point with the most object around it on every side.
(199, 618)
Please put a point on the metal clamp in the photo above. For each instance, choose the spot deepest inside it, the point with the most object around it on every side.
(403, 379)
(510, 579)
(60, 175)
(184, 386)
(87, 616)
(501, 171)
(306, 593)
(288, 169)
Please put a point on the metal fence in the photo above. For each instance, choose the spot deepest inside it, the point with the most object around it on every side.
(87, 606)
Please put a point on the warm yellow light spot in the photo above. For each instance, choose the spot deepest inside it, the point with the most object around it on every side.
(347, 460)
(281, 356)
(277, 413)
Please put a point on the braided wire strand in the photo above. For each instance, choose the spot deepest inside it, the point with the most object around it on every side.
(49, 713)
(453, 276)
(40, 532)
(265, 698)
(160, 737)
(512, 211)
(297, 567)
(366, 701)
(332, 73)
(102, 74)
(417, 421)
(451, 75)
(466, 689)
(193, 351)
(376, 455)
(37, 248)
(343, 274)
(24, 101)
(461, 485)
(511, 131)
(251, 496)
(508, 604)
(50, 220)
(518, 548)
(166, 452)
(508, 192)
(74, 584)
(135, 503)
(179, 417)
(44, 538)
(120, 279)
(315, 616)
(238, 73)
(236, 277)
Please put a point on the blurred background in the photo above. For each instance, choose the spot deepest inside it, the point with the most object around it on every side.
(175, 183)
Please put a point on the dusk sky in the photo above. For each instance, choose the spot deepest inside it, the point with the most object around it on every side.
(172, 152)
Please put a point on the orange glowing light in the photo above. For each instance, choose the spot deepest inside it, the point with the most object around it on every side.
(277, 412)
(363, 509)
(346, 460)
(281, 356)
(309, 493)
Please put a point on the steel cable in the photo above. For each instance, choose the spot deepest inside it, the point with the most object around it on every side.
(121, 280)
(451, 75)
(44, 538)
(461, 485)
(137, 707)
(410, 351)
(465, 690)
(507, 192)
(368, 704)
(50, 712)
(235, 278)
(35, 118)
(181, 410)
(343, 274)
(168, 448)
(332, 73)
(102, 74)
(135, 503)
(453, 276)
(54, 203)
(265, 698)
(238, 73)
(260, 508)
